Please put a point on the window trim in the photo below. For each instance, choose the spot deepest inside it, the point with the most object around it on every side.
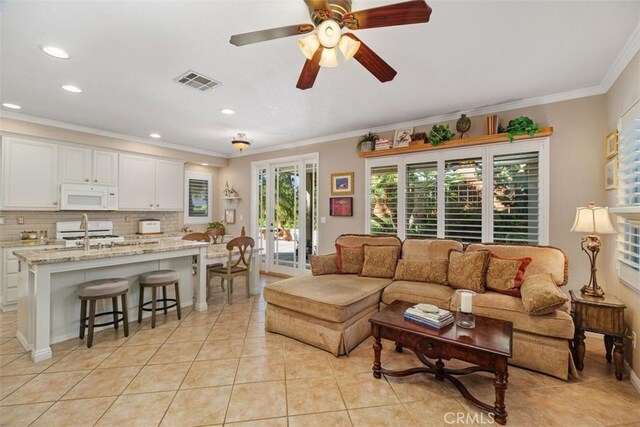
(486, 152)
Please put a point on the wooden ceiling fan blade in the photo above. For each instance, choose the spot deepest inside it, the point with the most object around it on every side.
(372, 62)
(310, 70)
(320, 7)
(270, 34)
(411, 12)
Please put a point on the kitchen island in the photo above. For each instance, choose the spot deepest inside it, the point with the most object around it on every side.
(48, 307)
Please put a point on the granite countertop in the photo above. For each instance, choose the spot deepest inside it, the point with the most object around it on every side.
(164, 235)
(27, 243)
(61, 255)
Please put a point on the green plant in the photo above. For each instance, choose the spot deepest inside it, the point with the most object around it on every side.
(440, 134)
(520, 126)
(216, 224)
(367, 141)
(370, 136)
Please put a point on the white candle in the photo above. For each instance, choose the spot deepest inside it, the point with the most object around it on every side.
(465, 302)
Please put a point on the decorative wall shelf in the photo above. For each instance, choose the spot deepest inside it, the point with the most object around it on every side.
(464, 142)
(230, 198)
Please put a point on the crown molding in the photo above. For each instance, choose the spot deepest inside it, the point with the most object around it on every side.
(108, 134)
(490, 109)
(626, 54)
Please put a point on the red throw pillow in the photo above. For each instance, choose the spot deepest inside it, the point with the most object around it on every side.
(505, 275)
(350, 259)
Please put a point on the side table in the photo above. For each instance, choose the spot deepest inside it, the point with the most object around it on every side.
(602, 316)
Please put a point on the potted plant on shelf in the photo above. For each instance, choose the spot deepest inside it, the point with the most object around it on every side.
(216, 225)
(440, 134)
(520, 126)
(367, 142)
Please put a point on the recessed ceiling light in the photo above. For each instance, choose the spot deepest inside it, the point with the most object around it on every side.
(204, 164)
(12, 106)
(227, 111)
(71, 88)
(155, 135)
(56, 52)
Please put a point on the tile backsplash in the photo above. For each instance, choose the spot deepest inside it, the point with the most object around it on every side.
(44, 220)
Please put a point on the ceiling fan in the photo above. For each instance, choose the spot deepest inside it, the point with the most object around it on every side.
(329, 17)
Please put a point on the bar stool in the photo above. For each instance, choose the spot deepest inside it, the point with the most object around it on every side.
(94, 290)
(155, 280)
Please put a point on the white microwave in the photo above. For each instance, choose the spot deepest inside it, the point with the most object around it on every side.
(78, 197)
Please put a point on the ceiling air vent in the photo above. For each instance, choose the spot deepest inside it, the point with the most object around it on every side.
(196, 81)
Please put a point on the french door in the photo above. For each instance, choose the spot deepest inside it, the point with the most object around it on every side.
(285, 215)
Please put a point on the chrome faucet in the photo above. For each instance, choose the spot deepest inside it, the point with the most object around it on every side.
(84, 225)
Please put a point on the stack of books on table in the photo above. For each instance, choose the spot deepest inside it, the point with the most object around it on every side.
(382, 144)
(436, 320)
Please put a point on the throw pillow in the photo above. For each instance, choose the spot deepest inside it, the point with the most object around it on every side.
(350, 259)
(380, 261)
(467, 270)
(505, 275)
(324, 264)
(430, 271)
(540, 295)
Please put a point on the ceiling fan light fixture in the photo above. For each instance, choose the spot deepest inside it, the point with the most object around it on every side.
(348, 47)
(240, 142)
(329, 33)
(309, 45)
(329, 58)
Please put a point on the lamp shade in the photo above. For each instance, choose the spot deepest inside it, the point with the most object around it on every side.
(348, 47)
(593, 220)
(329, 33)
(240, 142)
(329, 58)
(309, 45)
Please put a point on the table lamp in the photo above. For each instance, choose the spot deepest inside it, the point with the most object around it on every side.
(592, 220)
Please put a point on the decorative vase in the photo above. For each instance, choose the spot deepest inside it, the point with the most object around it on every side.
(463, 125)
(464, 315)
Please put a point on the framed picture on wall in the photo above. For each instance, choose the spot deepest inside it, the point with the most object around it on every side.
(341, 206)
(230, 216)
(611, 144)
(402, 138)
(611, 174)
(341, 183)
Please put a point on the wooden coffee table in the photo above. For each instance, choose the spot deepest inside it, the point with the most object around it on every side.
(488, 346)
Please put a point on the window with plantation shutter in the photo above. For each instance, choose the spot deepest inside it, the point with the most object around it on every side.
(384, 200)
(492, 193)
(421, 195)
(516, 198)
(628, 209)
(463, 200)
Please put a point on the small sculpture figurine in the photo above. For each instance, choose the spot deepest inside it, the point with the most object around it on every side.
(463, 125)
(227, 191)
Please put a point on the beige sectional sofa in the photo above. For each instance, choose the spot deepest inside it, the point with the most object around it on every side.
(332, 311)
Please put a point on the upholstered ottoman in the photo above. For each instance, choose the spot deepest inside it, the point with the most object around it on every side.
(329, 311)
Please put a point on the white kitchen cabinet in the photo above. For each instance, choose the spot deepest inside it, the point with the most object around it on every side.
(137, 179)
(86, 166)
(29, 174)
(150, 184)
(169, 185)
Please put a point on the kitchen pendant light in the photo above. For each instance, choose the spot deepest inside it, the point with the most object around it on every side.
(240, 142)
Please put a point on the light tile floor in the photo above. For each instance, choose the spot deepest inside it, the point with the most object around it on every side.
(221, 367)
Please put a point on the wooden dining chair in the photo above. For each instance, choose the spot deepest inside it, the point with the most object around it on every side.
(197, 237)
(216, 234)
(240, 266)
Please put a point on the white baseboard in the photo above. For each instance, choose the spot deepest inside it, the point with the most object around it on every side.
(632, 376)
(23, 341)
